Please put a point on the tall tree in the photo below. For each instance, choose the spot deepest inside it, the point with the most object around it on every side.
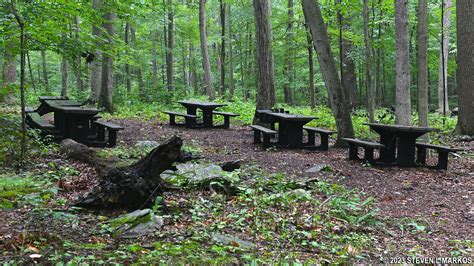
(465, 70)
(423, 62)
(310, 48)
(9, 70)
(154, 61)
(105, 98)
(222, 8)
(320, 37)
(95, 66)
(78, 63)
(443, 104)
(230, 52)
(64, 75)
(264, 54)
(368, 81)
(128, 78)
(45, 70)
(170, 47)
(206, 61)
(289, 68)
(402, 82)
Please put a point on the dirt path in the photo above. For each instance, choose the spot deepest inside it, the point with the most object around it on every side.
(441, 201)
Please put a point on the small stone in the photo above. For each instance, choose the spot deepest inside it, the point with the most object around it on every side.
(318, 168)
(147, 144)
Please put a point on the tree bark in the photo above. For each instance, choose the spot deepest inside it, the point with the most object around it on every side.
(443, 103)
(402, 83)
(45, 71)
(128, 78)
(230, 52)
(289, 68)
(64, 74)
(78, 62)
(423, 62)
(264, 54)
(310, 48)
(95, 67)
(368, 81)
(206, 62)
(32, 78)
(170, 48)
(132, 187)
(9, 73)
(105, 99)
(154, 77)
(465, 69)
(222, 7)
(327, 64)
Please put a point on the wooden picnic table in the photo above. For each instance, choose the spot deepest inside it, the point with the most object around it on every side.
(73, 121)
(207, 109)
(45, 104)
(399, 143)
(290, 129)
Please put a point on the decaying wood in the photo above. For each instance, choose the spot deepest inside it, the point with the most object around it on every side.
(130, 187)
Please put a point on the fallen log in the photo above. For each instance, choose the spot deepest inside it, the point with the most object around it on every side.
(131, 187)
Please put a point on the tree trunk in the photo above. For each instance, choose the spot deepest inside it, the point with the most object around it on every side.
(264, 54)
(78, 62)
(64, 74)
(423, 63)
(105, 99)
(9, 73)
(230, 53)
(45, 71)
(402, 83)
(443, 103)
(289, 56)
(95, 66)
(222, 7)
(132, 187)
(32, 78)
(206, 62)
(465, 69)
(128, 78)
(154, 77)
(327, 64)
(310, 48)
(170, 47)
(368, 81)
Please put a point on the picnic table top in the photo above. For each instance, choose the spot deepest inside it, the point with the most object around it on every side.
(53, 103)
(201, 104)
(292, 117)
(75, 109)
(400, 128)
(43, 98)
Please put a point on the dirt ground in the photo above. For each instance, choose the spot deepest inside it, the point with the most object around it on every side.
(443, 200)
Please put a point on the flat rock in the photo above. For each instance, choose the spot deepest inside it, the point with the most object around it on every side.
(318, 168)
(147, 144)
(232, 241)
(142, 229)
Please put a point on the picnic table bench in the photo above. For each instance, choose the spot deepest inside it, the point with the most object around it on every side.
(443, 154)
(368, 146)
(324, 138)
(112, 130)
(267, 133)
(190, 120)
(226, 116)
(34, 120)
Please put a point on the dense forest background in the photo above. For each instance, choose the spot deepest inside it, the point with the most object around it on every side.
(155, 49)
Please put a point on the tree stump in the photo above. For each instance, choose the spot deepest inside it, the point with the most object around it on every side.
(132, 187)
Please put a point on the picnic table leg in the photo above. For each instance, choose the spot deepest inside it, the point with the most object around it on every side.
(190, 122)
(256, 137)
(421, 155)
(282, 134)
(112, 138)
(406, 151)
(442, 160)
(387, 154)
(353, 152)
(207, 118)
(311, 137)
(226, 121)
(295, 136)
